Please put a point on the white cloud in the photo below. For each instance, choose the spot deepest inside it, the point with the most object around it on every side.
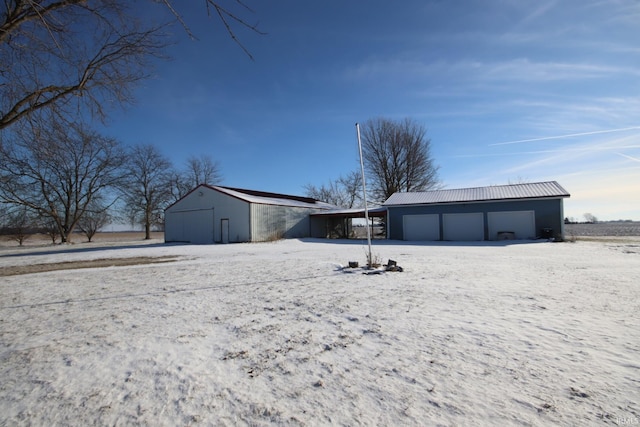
(523, 69)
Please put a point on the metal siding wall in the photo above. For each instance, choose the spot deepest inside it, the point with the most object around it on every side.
(318, 227)
(522, 223)
(267, 223)
(298, 222)
(271, 222)
(550, 214)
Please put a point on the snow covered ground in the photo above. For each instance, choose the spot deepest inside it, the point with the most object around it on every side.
(486, 333)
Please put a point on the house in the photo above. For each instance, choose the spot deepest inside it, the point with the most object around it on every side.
(519, 211)
(215, 214)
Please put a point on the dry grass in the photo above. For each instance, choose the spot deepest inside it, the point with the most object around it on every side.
(72, 265)
(79, 241)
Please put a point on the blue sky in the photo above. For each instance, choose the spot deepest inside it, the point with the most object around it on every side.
(509, 91)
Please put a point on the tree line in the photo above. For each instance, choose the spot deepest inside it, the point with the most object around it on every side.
(59, 177)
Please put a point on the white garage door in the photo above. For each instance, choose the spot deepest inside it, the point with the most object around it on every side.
(194, 226)
(463, 226)
(421, 227)
(521, 223)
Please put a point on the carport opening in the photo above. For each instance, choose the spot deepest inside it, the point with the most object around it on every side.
(352, 224)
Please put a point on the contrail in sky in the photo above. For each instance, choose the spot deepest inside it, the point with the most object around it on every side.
(560, 150)
(566, 136)
(629, 157)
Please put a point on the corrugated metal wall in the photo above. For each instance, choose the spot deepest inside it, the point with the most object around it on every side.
(270, 222)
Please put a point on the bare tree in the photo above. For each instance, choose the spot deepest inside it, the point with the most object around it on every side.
(95, 217)
(49, 227)
(351, 189)
(80, 55)
(57, 169)
(178, 185)
(147, 190)
(397, 157)
(201, 170)
(20, 224)
(198, 170)
(343, 192)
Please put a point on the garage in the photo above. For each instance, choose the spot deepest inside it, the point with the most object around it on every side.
(520, 211)
(463, 226)
(421, 227)
(212, 213)
(515, 224)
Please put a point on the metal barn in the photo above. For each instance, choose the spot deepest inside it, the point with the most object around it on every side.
(215, 214)
(519, 211)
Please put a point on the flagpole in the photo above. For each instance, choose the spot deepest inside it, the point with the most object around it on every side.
(364, 197)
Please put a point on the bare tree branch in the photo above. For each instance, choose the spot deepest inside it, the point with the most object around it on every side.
(72, 55)
(225, 16)
(61, 53)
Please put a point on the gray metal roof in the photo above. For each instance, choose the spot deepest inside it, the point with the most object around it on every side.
(536, 190)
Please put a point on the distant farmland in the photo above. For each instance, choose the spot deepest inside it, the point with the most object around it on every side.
(618, 229)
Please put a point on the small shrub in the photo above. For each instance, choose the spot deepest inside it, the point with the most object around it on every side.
(375, 261)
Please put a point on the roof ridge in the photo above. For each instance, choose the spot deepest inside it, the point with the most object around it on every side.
(543, 189)
(483, 187)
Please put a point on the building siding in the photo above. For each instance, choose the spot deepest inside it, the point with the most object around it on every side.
(271, 222)
(548, 213)
(199, 217)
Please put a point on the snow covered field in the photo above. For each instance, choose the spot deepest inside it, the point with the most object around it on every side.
(603, 229)
(486, 333)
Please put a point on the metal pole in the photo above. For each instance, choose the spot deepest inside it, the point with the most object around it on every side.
(364, 197)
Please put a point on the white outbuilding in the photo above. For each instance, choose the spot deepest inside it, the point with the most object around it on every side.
(215, 214)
